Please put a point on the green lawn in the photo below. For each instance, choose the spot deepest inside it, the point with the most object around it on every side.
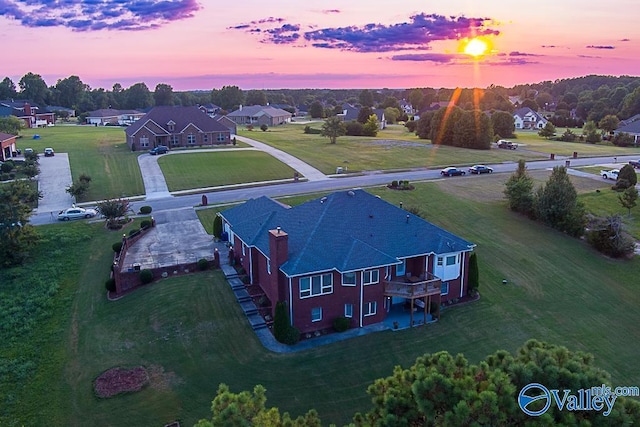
(394, 148)
(100, 152)
(530, 140)
(195, 170)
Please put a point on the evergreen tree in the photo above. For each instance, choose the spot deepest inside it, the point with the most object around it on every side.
(474, 274)
(629, 198)
(547, 131)
(371, 127)
(556, 204)
(519, 190)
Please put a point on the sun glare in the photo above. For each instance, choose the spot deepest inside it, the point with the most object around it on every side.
(476, 47)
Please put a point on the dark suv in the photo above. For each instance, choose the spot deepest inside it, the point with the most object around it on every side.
(160, 149)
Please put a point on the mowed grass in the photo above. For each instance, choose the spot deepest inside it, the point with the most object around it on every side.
(530, 140)
(395, 148)
(194, 170)
(191, 335)
(100, 152)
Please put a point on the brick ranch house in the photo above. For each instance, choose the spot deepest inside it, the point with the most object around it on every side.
(176, 127)
(7, 145)
(349, 254)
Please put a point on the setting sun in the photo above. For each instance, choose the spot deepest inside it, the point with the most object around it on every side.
(476, 47)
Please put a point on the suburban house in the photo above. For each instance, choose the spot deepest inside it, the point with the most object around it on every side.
(259, 115)
(176, 127)
(8, 146)
(350, 254)
(112, 117)
(58, 108)
(31, 114)
(210, 109)
(526, 118)
(632, 128)
(227, 122)
(349, 113)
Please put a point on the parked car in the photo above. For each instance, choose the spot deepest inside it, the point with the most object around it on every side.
(635, 163)
(503, 143)
(28, 151)
(76, 213)
(160, 149)
(478, 169)
(48, 152)
(612, 174)
(451, 171)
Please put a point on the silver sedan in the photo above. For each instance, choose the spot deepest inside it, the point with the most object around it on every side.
(76, 213)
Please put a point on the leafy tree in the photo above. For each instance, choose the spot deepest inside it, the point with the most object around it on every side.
(17, 236)
(503, 124)
(607, 235)
(473, 130)
(626, 178)
(543, 100)
(556, 204)
(256, 97)
(423, 126)
(229, 97)
(316, 110)
(113, 210)
(163, 94)
(70, 91)
(519, 190)
(34, 88)
(415, 98)
(609, 123)
(443, 123)
(392, 114)
(11, 125)
(531, 104)
(474, 274)
(547, 131)
(623, 139)
(364, 114)
(631, 103)
(390, 102)
(264, 127)
(7, 89)
(371, 127)
(411, 125)
(138, 96)
(629, 198)
(366, 98)
(590, 132)
(249, 409)
(332, 128)
(354, 128)
(568, 136)
(78, 189)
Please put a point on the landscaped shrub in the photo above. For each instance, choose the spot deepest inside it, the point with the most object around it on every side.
(264, 127)
(145, 210)
(146, 276)
(144, 224)
(309, 130)
(293, 336)
(474, 275)
(134, 232)
(203, 264)
(217, 226)
(341, 324)
(394, 183)
(110, 284)
(117, 247)
(7, 167)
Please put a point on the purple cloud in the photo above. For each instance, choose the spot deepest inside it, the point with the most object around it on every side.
(591, 46)
(329, 11)
(418, 33)
(433, 57)
(516, 53)
(549, 45)
(589, 56)
(625, 40)
(95, 15)
(511, 61)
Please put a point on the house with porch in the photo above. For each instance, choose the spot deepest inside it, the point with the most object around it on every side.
(8, 146)
(258, 115)
(176, 127)
(112, 117)
(526, 118)
(350, 254)
(31, 114)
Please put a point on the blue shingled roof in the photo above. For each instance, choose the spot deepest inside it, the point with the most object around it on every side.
(345, 231)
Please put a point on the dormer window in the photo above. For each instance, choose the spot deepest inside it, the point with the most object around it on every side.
(171, 126)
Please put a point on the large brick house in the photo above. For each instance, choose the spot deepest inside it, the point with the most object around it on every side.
(176, 127)
(349, 254)
(31, 114)
(8, 146)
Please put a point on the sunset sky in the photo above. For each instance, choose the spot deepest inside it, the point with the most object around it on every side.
(253, 44)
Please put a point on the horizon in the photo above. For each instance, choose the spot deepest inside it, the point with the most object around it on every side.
(196, 45)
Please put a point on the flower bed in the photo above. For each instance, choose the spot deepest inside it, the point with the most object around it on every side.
(119, 380)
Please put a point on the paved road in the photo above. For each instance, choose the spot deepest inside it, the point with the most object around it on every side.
(344, 182)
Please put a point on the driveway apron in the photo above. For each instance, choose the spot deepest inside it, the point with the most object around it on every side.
(155, 186)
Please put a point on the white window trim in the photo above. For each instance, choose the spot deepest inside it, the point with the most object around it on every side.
(324, 289)
(347, 315)
(221, 137)
(401, 269)
(355, 279)
(268, 266)
(312, 311)
(447, 288)
(368, 308)
(370, 272)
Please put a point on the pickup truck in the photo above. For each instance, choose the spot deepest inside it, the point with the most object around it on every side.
(612, 174)
(635, 163)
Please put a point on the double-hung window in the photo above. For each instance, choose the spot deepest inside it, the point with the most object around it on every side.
(369, 277)
(316, 314)
(348, 279)
(191, 139)
(371, 308)
(348, 310)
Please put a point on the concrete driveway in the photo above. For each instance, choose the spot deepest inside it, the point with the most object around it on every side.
(53, 181)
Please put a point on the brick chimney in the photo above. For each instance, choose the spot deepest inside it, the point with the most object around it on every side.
(27, 109)
(278, 253)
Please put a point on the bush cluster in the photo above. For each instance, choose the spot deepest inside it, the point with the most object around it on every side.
(146, 276)
(145, 210)
(117, 247)
(145, 223)
(203, 264)
(341, 324)
(309, 130)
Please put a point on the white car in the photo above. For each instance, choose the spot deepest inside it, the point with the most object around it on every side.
(612, 174)
(76, 213)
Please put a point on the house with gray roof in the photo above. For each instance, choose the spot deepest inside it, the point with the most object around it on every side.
(30, 113)
(350, 113)
(350, 254)
(112, 117)
(526, 118)
(258, 115)
(632, 128)
(176, 127)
